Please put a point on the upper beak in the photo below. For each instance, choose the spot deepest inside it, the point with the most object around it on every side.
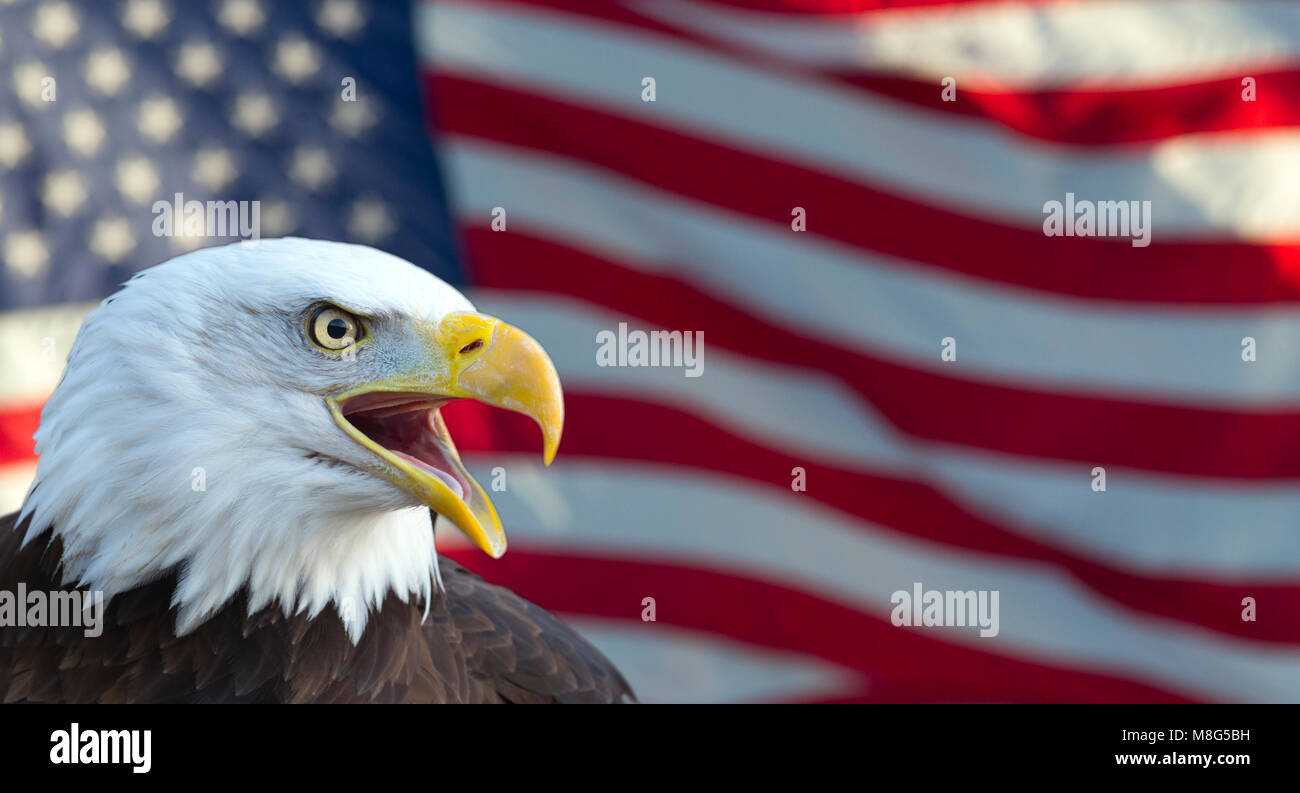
(471, 356)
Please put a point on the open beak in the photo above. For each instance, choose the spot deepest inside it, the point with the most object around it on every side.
(467, 356)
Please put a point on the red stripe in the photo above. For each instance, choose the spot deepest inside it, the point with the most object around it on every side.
(1058, 426)
(821, 8)
(1076, 116)
(903, 665)
(620, 429)
(611, 428)
(1112, 116)
(607, 427)
(851, 7)
(1164, 272)
(17, 425)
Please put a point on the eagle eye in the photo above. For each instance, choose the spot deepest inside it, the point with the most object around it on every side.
(331, 328)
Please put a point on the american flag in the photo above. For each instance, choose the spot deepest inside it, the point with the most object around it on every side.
(905, 381)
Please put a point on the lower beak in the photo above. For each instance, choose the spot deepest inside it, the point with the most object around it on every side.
(470, 356)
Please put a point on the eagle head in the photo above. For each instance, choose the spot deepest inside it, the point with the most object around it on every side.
(266, 416)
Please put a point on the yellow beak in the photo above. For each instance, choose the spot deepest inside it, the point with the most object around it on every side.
(471, 356)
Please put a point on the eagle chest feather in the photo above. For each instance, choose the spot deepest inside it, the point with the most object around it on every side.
(479, 643)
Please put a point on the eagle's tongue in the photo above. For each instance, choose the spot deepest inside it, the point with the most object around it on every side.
(445, 477)
(433, 451)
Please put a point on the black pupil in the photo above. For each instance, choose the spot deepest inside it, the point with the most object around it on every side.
(337, 328)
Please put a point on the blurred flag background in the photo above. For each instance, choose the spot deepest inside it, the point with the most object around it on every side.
(833, 193)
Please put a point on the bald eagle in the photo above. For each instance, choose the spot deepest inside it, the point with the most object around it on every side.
(244, 456)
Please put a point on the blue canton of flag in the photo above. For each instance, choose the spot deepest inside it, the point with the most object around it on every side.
(106, 108)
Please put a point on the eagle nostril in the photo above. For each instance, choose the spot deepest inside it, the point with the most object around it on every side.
(471, 347)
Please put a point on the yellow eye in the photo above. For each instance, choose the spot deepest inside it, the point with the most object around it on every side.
(334, 329)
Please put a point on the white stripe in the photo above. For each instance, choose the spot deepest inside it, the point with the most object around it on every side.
(1246, 186)
(36, 346)
(15, 478)
(1184, 355)
(1045, 614)
(1142, 522)
(1119, 43)
(667, 664)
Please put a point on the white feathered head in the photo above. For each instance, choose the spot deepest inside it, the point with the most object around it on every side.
(266, 415)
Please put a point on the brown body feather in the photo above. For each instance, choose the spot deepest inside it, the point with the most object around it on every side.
(480, 643)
